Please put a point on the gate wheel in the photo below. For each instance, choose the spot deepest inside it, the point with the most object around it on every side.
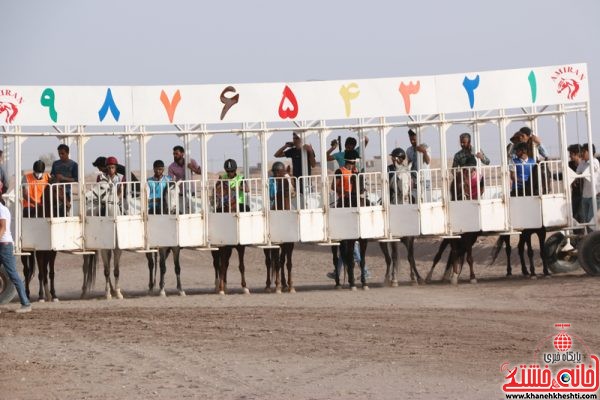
(558, 260)
(589, 253)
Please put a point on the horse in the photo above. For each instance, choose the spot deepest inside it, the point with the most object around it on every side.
(225, 201)
(401, 181)
(166, 204)
(525, 237)
(281, 191)
(461, 249)
(54, 204)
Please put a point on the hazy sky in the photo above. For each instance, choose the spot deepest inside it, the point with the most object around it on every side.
(120, 42)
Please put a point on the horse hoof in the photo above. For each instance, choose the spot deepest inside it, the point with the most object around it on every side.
(473, 280)
(292, 290)
(267, 290)
(353, 288)
(222, 292)
(246, 290)
(118, 295)
(182, 293)
(55, 300)
(365, 287)
(454, 279)
(162, 293)
(533, 277)
(394, 283)
(108, 296)
(41, 300)
(413, 283)
(338, 287)
(278, 291)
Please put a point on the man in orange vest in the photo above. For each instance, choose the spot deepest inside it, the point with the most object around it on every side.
(34, 184)
(345, 181)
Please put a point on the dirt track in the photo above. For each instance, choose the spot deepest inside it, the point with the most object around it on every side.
(433, 341)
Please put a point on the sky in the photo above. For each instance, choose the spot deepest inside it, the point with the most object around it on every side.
(134, 42)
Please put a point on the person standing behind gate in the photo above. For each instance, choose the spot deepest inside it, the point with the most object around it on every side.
(294, 151)
(64, 170)
(177, 167)
(345, 183)
(349, 144)
(157, 188)
(413, 159)
(3, 179)
(113, 178)
(587, 205)
(520, 175)
(34, 185)
(466, 150)
(7, 258)
(576, 187)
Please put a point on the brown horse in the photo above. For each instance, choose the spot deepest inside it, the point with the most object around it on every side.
(54, 204)
(225, 201)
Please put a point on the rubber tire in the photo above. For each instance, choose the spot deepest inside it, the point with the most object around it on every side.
(589, 253)
(7, 289)
(551, 249)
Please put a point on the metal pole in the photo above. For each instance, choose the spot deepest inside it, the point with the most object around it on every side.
(588, 113)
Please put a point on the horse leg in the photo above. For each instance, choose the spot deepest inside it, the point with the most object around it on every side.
(409, 243)
(508, 249)
(521, 247)
(541, 234)
(530, 256)
(362, 245)
(216, 256)
(388, 262)
(163, 253)
(51, 259)
(241, 250)
(108, 287)
(268, 265)
(282, 257)
(347, 249)
(454, 261)
(276, 256)
(437, 258)
(28, 271)
(151, 282)
(176, 250)
(116, 272)
(288, 249)
(42, 261)
(470, 262)
(224, 256)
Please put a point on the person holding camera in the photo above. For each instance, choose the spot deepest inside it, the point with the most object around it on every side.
(294, 150)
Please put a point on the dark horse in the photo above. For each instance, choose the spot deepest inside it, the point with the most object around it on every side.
(225, 199)
(54, 204)
(531, 188)
(390, 252)
(281, 189)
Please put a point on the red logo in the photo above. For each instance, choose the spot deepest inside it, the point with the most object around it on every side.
(9, 102)
(567, 81)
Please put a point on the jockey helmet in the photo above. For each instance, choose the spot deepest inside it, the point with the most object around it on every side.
(111, 161)
(398, 152)
(230, 165)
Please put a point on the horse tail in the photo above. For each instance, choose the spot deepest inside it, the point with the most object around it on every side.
(496, 249)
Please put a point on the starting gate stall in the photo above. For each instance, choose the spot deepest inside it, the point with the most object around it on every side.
(99, 229)
(371, 214)
(555, 206)
(476, 199)
(403, 208)
(129, 219)
(235, 221)
(283, 215)
(311, 211)
(430, 199)
(56, 225)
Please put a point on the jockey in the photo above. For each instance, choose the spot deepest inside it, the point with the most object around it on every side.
(110, 178)
(281, 187)
(157, 188)
(34, 184)
(235, 181)
(523, 166)
(399, 177)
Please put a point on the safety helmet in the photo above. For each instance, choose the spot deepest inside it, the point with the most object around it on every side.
(277, 166)
(230, 165)
(39, 166)
(398, 152)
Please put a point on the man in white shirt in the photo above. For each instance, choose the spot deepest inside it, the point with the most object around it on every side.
(7, 258)
(587, 207)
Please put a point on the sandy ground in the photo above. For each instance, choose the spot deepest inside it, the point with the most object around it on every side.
(424, 342)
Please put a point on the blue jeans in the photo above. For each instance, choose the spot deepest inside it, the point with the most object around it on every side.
(7, 258)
